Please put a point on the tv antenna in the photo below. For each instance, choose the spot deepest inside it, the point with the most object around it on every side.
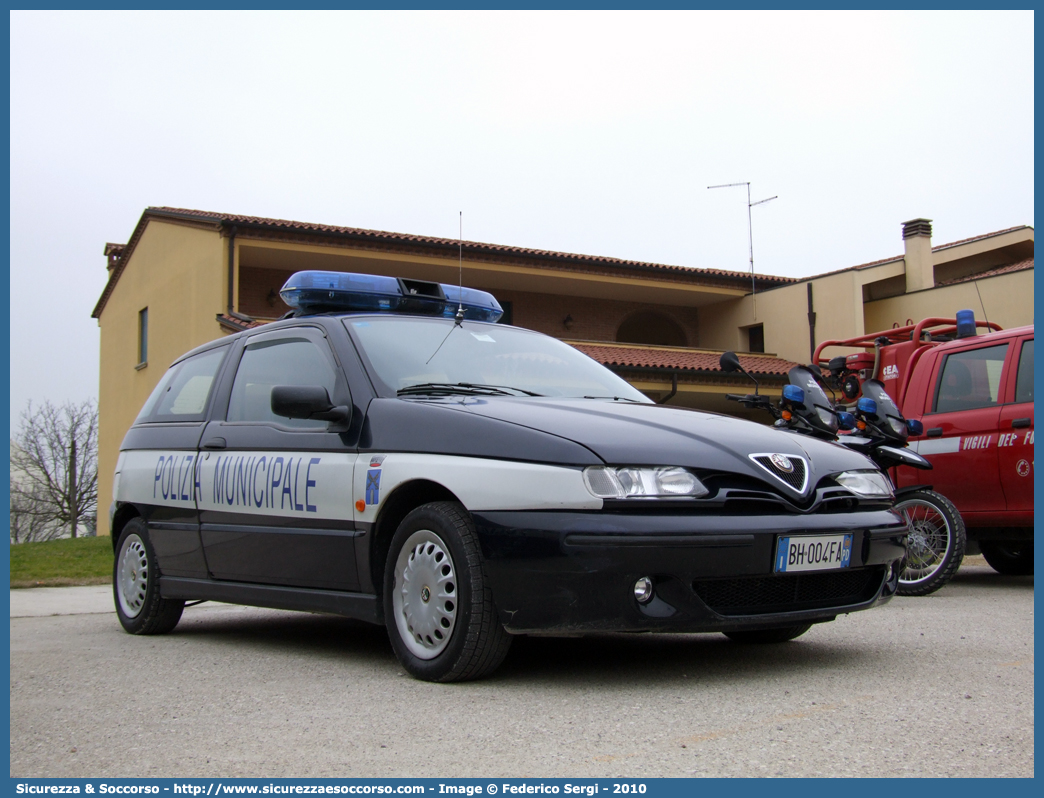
(750, 236)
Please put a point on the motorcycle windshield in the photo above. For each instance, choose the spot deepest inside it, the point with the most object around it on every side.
(888, 415)
(819, 411)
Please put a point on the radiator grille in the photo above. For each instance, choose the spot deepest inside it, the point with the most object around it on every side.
(758, 595)
(795, 478)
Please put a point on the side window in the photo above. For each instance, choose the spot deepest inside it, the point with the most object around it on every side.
(970, 380)
(183, 392)
(295, 360)
(1024, 379)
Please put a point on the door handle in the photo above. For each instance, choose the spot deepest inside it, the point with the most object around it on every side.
(215, 443)
(935, 432)
(1021, 422)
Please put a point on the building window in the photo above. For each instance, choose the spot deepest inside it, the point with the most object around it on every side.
(756, 338)
(652, 328)
(143, 337)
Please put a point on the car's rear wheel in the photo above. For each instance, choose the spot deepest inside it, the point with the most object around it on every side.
(135, 585)
(778, 635)
(935, 545)
(438, 606)
(1009, 557)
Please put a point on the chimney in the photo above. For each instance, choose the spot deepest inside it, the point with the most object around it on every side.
(920, 270)
(113, 252)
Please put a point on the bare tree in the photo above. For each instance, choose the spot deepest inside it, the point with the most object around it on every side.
(54, 471)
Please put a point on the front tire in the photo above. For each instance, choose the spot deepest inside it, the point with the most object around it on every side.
(762, 636)
(1009, 557)
(135, 585)
(935, 547)
(438, 606)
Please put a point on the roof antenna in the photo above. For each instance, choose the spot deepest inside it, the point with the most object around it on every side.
(750, 237)
(981, 304)
(459, 317)
(460, 284)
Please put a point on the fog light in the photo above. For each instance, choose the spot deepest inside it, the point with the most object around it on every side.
(643, 590)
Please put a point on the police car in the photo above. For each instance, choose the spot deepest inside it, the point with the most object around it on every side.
(391, 454)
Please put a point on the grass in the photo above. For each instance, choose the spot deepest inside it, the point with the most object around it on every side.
(79, 561)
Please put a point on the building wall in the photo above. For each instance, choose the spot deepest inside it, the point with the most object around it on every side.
(259, 292)
(842, 313)
(179, 273)
(837, 300)
(592, 319)
(1007, 298)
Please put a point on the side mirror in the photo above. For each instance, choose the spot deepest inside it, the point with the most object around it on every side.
(307, 401)
(729, 363)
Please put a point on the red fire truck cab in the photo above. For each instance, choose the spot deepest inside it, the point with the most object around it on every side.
(974, 395)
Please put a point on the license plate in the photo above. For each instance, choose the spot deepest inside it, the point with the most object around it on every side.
(813, 553)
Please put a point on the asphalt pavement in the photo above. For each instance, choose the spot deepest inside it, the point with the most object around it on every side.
(934, 686)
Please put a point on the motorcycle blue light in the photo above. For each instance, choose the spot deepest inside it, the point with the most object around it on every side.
(846, 420)
(324, 292)
(868, 406)
(793, 393)
(914, 427)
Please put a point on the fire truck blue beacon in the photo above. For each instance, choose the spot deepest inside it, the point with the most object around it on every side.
(389, 452)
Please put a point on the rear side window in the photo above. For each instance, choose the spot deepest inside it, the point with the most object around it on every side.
(286, 361)
(1024, 380)
(970, 379)
(184, 391)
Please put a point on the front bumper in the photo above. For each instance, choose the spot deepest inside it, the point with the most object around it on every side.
(571, 572)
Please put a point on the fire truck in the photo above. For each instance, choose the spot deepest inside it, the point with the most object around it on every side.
(970, 383)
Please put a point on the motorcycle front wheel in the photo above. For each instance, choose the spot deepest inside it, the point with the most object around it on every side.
(935, 546)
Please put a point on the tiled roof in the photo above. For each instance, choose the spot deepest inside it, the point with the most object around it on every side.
(452, 243)
(236, 324)
(896, 258)
(476, 249)
(1017, 266)
(676, 358)
(980, 238)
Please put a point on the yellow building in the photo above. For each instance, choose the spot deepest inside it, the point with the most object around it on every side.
(186, 277)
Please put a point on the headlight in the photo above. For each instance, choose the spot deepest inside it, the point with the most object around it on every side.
(666, 482)
(869, 484)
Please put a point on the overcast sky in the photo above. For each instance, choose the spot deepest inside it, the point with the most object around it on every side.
(594, 133)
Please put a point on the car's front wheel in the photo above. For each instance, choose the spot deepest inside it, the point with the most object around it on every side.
(135, 585)
(438, 605)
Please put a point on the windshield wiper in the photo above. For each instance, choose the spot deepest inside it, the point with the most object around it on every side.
(461, 389)
(614, 398)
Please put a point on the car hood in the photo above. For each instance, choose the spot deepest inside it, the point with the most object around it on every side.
(626, 433)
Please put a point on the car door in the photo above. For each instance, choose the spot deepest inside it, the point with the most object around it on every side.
(276, 498)
(158, 468)
(1015, 447)
(962, 429)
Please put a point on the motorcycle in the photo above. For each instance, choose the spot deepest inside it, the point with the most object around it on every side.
(876, 428)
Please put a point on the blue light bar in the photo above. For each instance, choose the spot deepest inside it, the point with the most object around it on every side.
(326, 292)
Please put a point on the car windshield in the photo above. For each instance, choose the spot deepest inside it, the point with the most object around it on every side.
(425, 356)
